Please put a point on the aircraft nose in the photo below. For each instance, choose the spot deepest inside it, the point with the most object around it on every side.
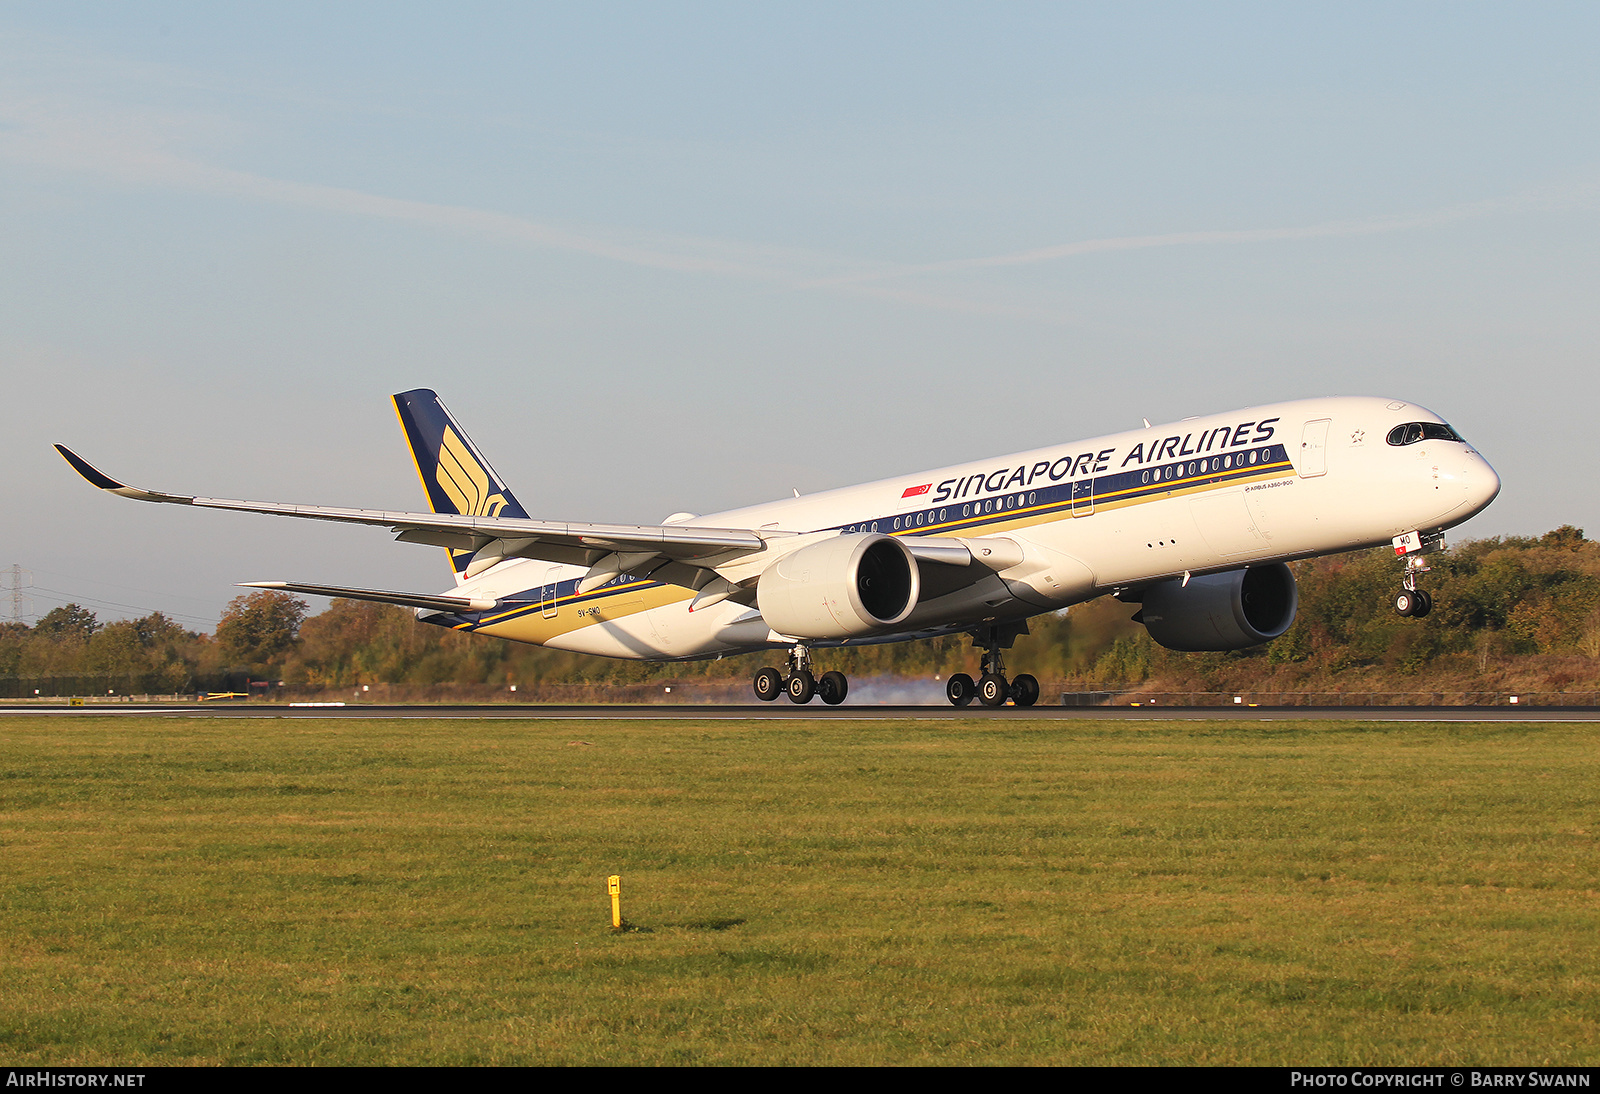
(1462, 482)
(1483, 484)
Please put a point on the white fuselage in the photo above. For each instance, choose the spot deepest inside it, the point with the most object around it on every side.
(1207, 494)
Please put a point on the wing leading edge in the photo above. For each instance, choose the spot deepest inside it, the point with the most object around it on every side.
(680, 555)
(494, 538)
(409, 600)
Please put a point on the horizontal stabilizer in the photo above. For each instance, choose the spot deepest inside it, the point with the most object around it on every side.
(410, 600)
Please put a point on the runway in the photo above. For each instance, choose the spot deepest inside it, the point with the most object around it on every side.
(783, 711)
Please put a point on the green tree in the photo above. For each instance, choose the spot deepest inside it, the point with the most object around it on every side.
(260, 629)
(156, 631)
(67, 622)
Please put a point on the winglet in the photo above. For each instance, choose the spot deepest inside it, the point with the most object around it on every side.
(99, 478)
(89, 470)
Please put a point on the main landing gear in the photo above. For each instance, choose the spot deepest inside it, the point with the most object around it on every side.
(992, 690)
(1410, 600)
(800, 684)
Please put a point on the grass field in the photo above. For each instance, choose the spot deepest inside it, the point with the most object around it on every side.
(244, 891)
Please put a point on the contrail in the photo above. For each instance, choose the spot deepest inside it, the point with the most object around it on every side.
(128, 151)
(130, 148)
(1543, 197)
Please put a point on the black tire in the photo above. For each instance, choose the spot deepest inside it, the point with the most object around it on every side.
(1424, 604)
(1025, 690)
(768, 685)
(802, 686)
(832, 688)
(992, 690)
(1405, 602)
(960, 689)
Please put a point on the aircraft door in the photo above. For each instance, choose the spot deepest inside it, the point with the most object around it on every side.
(1314, 449)
(547, 592)
(1082, 497)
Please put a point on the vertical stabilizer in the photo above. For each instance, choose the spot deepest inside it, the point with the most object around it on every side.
(454, 474)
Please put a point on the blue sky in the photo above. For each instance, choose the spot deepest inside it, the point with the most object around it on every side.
(669, 257)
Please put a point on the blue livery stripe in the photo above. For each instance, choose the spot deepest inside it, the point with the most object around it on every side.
(1108, 491)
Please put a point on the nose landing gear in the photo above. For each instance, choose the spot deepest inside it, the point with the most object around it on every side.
(1415, 546)
(800, 685)
(1415, 603)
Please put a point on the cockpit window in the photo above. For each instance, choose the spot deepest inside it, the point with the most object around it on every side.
(1412, 432)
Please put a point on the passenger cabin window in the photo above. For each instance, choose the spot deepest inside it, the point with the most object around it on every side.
(1412, 432)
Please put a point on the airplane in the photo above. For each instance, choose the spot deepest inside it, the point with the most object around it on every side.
(1193, 521)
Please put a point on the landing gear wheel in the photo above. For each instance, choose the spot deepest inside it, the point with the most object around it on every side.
(768, 685)
(1405, 602)
(960, 689)
(802, 686)
(1025, 690)
(992, 690)
(832, 688)
(1424, 604)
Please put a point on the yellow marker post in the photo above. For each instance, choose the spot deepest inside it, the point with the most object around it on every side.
(614, 887)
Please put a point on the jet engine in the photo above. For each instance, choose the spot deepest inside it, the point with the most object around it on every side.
(1227, 611)
(840, 588)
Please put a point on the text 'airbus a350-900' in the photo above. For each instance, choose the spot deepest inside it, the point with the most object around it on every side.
(1193, 521)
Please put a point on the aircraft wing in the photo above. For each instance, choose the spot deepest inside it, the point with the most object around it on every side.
(409, 600)
(496, 538)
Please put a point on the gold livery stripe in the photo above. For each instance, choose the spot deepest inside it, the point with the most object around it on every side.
(533, 626)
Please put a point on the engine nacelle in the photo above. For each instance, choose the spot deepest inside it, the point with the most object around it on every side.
(1229, 611)
(840, 588)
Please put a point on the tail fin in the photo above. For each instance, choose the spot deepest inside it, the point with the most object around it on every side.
(454, 473)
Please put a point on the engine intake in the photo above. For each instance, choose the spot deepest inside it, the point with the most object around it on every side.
(840, 588)
(1227, 611)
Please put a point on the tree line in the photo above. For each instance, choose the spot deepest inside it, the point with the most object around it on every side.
(1508, 610)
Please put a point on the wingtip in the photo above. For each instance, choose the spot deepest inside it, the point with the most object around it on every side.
(89, 471)
(97, 477)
